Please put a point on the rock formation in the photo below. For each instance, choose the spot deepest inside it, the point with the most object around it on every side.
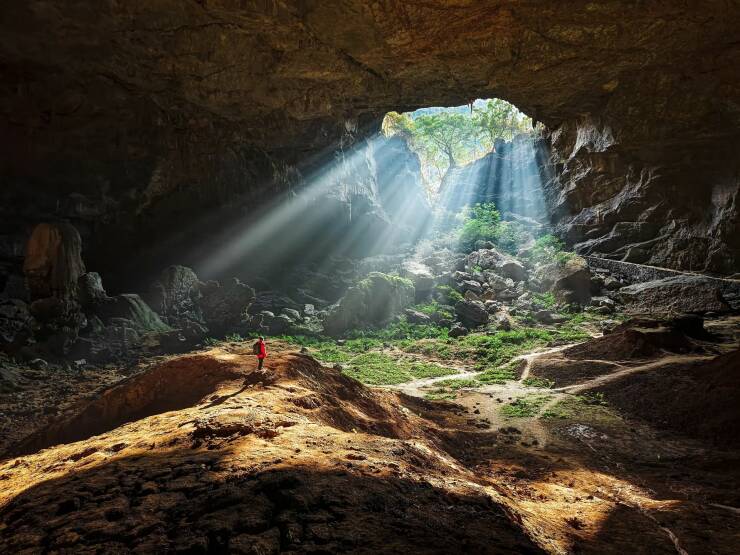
(158, 117)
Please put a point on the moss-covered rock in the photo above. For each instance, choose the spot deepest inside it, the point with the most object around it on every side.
(371, 302)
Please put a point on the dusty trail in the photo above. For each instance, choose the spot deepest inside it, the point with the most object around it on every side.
(618, 375)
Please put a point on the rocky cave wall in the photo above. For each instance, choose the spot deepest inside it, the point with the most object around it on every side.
(170, 119)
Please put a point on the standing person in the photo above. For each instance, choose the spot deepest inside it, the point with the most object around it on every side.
(260, 350)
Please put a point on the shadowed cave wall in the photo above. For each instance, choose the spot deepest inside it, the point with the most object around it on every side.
(172, 120)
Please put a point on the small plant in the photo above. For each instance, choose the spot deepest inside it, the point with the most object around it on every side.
(549, 248)
(234, 337)
(448, 293)
(458, 383)
(211, 342)
(596, 399)
(544, 300)
(481, 223)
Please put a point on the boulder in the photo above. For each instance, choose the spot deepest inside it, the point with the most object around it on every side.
(470, 296)
(569, 280)
(496, 282)
(679, 294)
(458, 330)
(371, 302)
(292, 313)
(420, 275)
(503, 264)
(225, 307)
(471, 313)
(131, 308)
(175, 295)
(90, 290)
(416, 317)
(470, 285)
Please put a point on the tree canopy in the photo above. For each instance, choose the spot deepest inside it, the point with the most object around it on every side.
(448, 137)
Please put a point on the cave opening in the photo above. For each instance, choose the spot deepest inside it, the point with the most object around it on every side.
(346, 276)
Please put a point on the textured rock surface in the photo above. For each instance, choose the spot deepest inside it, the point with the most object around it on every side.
(373, 301)
(167, 117)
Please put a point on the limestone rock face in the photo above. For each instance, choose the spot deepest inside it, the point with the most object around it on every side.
(680, 294)
(139, 117)
(53, 261)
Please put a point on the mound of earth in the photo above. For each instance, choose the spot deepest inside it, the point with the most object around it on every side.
(695, 398)
(632, 343)
(200, 454)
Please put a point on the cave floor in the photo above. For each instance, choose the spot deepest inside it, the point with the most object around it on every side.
(299, 458)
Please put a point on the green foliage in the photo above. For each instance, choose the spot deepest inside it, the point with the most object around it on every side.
(511, 236)
(434, 308)
(481, 223)
(211, 342)
(376, 368)
(500, 120)
(525, 406)
(451, 295)
(534, 381)
(499, 348)
(499, 375)
(234, 337)
(595, 398)
(549, 248)
(544, 300)
(458, 383)
(445, 137)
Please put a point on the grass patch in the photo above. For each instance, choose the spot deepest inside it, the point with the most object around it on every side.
(375, 368)
(544, 300)
(458, 383)
(525, 407)
(538, 382)
(440, 395)
(499, 348)
(498, 375)
(589, 407)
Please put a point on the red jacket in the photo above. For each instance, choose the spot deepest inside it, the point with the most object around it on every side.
(263, 350)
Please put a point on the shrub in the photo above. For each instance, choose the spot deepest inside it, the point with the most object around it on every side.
(481, 223)
(549, 248)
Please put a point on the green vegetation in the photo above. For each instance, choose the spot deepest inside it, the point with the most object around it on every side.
(447, 293)
(482, 222)
(376, 368)
(549, 248)
(499, 348)
(544, 300)
(433, 308)
(534, 381)
(591, 407)
(498, 375)
(458, 383)
(525, 406)
(445, 137)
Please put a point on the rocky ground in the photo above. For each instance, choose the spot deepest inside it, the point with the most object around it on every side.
(201, 453)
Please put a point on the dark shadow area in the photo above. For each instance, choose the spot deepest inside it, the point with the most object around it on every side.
(187, 501)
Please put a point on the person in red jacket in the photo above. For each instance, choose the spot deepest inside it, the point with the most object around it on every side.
(261, 351)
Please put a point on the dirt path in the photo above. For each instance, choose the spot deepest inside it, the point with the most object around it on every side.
(614, 376)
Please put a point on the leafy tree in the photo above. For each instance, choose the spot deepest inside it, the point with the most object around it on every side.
(398, 124)
(499, 120)
(447, 134)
